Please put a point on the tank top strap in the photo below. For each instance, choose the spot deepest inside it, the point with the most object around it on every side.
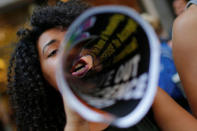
(191, 2)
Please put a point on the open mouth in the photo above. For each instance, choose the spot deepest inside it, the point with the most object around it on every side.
(82, 66)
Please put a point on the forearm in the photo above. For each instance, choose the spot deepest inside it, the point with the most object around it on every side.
(170, 116)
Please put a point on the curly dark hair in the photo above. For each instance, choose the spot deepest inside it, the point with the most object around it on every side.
(37, 105)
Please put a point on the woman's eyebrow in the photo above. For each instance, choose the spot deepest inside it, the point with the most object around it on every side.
(47, 44)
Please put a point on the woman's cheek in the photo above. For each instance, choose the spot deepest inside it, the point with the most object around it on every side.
(49, 71)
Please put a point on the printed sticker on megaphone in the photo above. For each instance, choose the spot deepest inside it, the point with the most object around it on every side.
(109, 66)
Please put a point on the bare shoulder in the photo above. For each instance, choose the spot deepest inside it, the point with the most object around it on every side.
(185, 32)
(184, 45)
(186, 24)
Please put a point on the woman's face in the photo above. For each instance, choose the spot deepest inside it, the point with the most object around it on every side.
(179, 6)
(48, 49)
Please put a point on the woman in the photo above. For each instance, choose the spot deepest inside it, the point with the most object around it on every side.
(34, 94)
(32, 86)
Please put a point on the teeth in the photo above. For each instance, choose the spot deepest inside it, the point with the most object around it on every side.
(80, 69)
(78, 65)
(82, 66)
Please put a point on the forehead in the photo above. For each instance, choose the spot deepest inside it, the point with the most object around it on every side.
(50, 34)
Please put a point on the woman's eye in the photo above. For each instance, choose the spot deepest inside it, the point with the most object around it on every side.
(52, 53)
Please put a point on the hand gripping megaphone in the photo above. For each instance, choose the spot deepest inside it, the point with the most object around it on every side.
(109, 66)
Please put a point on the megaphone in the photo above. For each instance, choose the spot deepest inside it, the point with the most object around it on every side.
(109, 66)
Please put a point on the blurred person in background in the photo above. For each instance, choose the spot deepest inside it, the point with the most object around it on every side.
(179, 6)
(167, 66)
(184, 51)
(169, 77)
